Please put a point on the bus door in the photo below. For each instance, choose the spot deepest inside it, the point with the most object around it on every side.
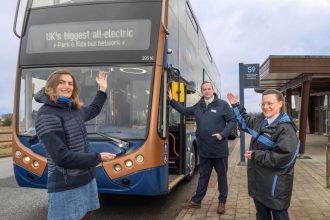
(177, 130)
(182, 159)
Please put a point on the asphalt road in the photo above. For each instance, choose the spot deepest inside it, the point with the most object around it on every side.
(17, 203)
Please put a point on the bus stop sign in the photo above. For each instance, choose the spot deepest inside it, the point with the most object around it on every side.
(250, 75)
(248, 78)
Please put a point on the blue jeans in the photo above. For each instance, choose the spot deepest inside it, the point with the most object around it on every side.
(205, 169)
(265, 213)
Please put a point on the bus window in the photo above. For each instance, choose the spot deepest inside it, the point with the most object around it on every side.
(191, 17)
(44, 3)
(125, 113)
(30, 84)
(162, 111)
(209, 54)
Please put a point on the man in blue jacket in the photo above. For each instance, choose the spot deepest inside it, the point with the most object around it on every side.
(215, 121)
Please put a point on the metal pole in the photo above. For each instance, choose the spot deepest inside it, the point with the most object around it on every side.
(304, 115)
(328, 163)
(241, 100)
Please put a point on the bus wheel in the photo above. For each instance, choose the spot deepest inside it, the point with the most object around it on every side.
(192, 164)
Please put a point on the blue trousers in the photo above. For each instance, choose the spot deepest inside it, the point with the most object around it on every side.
(205, 169)
(265, 213)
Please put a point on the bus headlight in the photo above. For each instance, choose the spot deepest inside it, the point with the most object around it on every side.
(35, 164)
(117, 167)
(139, 158)
(129, 163)
(18, 154)
(26, 159)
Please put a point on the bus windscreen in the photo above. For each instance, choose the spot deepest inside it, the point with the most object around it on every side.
(89, 36)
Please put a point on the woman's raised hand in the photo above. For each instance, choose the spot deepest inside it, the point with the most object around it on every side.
(101, 80)
(232, 98)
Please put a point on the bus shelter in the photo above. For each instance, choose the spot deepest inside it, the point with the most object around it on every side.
(305, 83)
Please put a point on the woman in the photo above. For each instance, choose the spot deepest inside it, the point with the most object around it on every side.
(72, 189)
(271, 157)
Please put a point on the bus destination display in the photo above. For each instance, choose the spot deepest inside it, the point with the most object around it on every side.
(89, 36)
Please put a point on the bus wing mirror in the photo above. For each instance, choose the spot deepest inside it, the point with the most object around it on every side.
(178, 91)
(174, 72)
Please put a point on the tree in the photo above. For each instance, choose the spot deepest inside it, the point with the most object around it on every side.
(7, 122)
(7, 119)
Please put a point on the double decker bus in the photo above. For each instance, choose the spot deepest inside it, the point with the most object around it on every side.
(146, 46)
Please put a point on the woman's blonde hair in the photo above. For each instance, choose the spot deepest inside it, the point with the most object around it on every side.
(53, 81)
(279, 97)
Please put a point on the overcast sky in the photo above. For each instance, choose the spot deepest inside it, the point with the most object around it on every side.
(237, 31)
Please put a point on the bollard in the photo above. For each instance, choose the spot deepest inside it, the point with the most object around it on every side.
(328, 163)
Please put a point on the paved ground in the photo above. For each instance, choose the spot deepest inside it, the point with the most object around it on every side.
(310, 199)
(6, 171)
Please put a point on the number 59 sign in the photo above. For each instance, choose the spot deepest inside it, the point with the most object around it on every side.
(250, 74)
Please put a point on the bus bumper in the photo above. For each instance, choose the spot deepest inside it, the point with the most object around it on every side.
(147, 182)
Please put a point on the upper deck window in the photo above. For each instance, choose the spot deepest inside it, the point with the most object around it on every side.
(191, 17)
(46, 3)
(209, 54)
(89, 36)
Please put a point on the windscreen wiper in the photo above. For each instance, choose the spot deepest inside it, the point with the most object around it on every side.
(118, 142)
